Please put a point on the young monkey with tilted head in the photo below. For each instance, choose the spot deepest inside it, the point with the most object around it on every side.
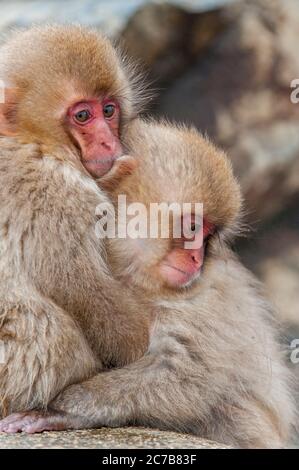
(214, 366)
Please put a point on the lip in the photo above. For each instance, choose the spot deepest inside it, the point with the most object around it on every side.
(183, 278)
(176, 269)
(99, 167)
(100, 161)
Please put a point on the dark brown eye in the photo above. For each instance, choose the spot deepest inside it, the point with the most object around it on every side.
(195, 228)
(82, 116)
(108, 110)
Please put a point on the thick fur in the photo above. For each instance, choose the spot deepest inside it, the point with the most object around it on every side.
(46, 66)
(55, 284)
(214, 366)
(62, 316)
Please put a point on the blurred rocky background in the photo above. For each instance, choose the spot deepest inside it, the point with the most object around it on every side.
(225, 67)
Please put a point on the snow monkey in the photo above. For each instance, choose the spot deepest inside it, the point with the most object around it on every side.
(214, 366)
(68, 98)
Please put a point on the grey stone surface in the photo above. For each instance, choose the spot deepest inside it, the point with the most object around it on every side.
(106, 438)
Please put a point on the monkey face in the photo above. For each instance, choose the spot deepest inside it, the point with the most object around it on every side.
(183, 264)
(94, 124)
(176, 165)
(68, 90)
(156, 263)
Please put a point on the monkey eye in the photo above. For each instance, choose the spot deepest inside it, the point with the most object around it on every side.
(108, 110)
(195, 227)
(189, 232)
(82, 116)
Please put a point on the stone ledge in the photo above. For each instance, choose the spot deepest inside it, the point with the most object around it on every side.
(106, 438)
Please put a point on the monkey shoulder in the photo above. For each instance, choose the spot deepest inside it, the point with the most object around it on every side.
(46, 199)
(44, 181)
(235, 291)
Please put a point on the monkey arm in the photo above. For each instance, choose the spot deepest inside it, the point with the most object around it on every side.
(157, 390)
(175, 386)
(145, 394)
(151, 393)
(195, 377)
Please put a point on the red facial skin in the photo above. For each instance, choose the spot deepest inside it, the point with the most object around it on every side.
(98, 136)
(183, 265)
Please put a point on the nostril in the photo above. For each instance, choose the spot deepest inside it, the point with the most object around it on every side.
(107, 146)
(195, 259)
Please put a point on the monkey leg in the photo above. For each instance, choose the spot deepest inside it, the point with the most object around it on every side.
(42, 351)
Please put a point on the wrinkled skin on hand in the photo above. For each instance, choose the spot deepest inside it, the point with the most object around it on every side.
(38, 421)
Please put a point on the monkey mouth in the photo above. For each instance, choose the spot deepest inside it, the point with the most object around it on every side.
(100, 161)
(177, 269)
(98, 167)
(181, 278)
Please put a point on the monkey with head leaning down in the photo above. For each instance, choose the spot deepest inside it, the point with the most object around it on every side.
(63, 317)
(213, 366)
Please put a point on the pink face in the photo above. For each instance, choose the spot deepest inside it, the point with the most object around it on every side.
(94, 124)
(181, 265)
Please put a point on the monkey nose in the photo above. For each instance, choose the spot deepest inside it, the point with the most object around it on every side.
(107, 146)
(196, 258)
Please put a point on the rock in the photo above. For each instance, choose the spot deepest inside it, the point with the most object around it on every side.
(106, 438)
(167, 39)
(238, 91)
(274, 257)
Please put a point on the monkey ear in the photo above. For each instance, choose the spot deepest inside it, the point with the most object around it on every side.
(122, 167)
(8, 104)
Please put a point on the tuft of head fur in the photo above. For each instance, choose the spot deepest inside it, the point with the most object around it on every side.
(46, 65)
(176, 165)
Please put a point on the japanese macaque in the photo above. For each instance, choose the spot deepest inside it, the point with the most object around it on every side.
(213, 367)
(68, 97)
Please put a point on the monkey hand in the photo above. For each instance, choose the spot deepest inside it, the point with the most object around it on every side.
(122, 167)
(38, 421)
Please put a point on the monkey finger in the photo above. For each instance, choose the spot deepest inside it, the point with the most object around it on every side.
(32, 422)
(18, 421)
(5, 422)
(123, 166)
(126, 162)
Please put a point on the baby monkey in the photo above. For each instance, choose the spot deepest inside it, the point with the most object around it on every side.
(214, 366)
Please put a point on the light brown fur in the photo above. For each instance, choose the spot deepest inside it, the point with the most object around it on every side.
(62, 315)
(45, 67)
(214, 366)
